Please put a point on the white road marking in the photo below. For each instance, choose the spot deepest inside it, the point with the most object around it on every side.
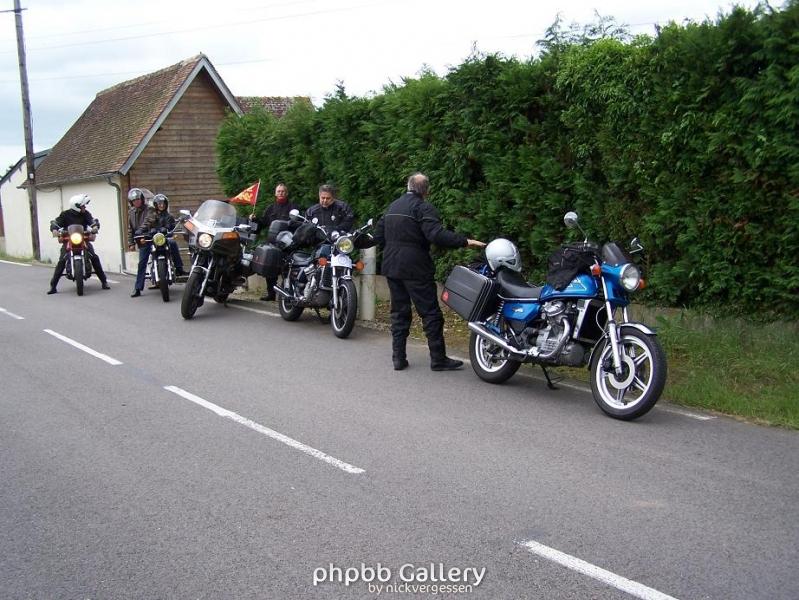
(686, 413)
(86, 349)
(223, 412)
(111, 280)
(621, 583)
(19, 264)
(255, 310)
(10, 314)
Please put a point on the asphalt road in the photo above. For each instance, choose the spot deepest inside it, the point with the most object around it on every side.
(240, 456)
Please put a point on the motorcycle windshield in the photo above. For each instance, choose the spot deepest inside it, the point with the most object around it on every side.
(75, 229)
(215, 213)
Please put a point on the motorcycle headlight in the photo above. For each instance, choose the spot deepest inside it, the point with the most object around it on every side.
(159, 239)
(204, 240)
(345, 244)
(76, 238)
(630, 278)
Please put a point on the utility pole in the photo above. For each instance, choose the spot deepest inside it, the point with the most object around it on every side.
(26, 120)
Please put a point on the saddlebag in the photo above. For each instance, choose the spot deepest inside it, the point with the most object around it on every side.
(266, 260)
(472, 295)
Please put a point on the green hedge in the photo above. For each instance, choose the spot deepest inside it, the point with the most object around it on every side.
(689, 140)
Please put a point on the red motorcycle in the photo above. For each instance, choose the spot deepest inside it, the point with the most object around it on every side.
(76, 240)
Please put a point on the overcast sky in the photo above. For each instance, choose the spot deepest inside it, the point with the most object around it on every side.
(77, 48)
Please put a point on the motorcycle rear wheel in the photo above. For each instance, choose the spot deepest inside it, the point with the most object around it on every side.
(288, 309)
(342, 319)
(78, 274)
(163, 280)
(190, 300)
(641, 383)
(490, 362)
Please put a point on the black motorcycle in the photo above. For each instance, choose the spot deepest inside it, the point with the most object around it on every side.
(216, 245)
(322, 277)
(76, 238)
(160, 270)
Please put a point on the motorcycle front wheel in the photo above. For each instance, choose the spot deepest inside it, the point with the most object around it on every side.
(342, 319)
(638, 388)
(78, 274)
(163, 280)
(490, 362)
(191, 300)
(288, 309)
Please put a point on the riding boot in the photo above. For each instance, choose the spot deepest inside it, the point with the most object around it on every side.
(398, 356)
(439, 361)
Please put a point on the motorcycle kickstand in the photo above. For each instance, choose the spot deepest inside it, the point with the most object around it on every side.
(321, 318)
(550, 383)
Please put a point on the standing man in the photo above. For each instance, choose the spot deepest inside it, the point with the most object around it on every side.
(405, 232)
(331, 212)
(76, 214)
(278, 211)
(137, 215)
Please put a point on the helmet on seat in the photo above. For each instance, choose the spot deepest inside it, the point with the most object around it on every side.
(78, 201)
(503, 253)
(160, 199)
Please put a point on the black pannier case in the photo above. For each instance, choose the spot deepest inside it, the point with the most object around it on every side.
(266, 260)
(276, 227)
(470, 294)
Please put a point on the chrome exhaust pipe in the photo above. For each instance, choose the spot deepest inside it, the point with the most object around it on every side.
(482, 331)
(282, 292)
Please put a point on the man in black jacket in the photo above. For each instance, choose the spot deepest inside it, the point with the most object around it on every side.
(331, 213)
(277, 211)
(76, 214)
(405, 232)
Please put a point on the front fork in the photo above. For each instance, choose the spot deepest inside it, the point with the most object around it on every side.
(613, 332)
(347, 274)
(207, 270)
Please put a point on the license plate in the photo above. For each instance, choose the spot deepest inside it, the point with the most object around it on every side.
(341, 260)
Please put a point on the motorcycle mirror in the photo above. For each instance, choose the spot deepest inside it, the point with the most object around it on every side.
(315, 221)
(294, 213)
(636, 245)
(369, 223)
(571, 219)
(185, 212)
(335, 235)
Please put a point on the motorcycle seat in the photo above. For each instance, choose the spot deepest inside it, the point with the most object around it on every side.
(513, 286)
(301, 259)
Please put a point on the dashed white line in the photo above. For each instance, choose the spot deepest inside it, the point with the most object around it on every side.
(86, 349)
(686, 413)
(10, 314)
(621, 583)
(275, 435)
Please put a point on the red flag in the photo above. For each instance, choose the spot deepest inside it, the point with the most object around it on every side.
(248, 196)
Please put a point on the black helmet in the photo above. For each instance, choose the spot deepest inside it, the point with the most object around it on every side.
(160, 198)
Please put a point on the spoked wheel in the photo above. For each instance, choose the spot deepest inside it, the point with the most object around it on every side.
(638, 388)
(342, 319)
(191, 300)
(490, 362)
(163, 280)
(78, 273)
(288, 309)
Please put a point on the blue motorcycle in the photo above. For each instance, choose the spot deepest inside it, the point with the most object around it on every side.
(580, 317)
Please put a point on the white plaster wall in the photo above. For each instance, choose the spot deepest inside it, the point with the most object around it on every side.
(104, 206)
(17, 215)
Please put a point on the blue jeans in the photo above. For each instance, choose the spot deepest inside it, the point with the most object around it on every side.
(141, 271)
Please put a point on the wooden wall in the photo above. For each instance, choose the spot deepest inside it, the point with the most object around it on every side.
(180, 160)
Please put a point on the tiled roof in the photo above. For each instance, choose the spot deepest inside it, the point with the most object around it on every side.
(114, 125)
(277, 105)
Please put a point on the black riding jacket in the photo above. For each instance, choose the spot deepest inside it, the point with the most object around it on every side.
(74, 217)
(275, 212)
(158, 220)
(406, 231)
(338, 216)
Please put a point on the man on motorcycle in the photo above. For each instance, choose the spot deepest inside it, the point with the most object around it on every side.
(333, 214)
(279, 211)
(405, 232)
(159, 218)
(76, 214)
(137, 215)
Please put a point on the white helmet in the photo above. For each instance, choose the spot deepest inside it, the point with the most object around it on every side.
(79, 200)
(503, 253)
